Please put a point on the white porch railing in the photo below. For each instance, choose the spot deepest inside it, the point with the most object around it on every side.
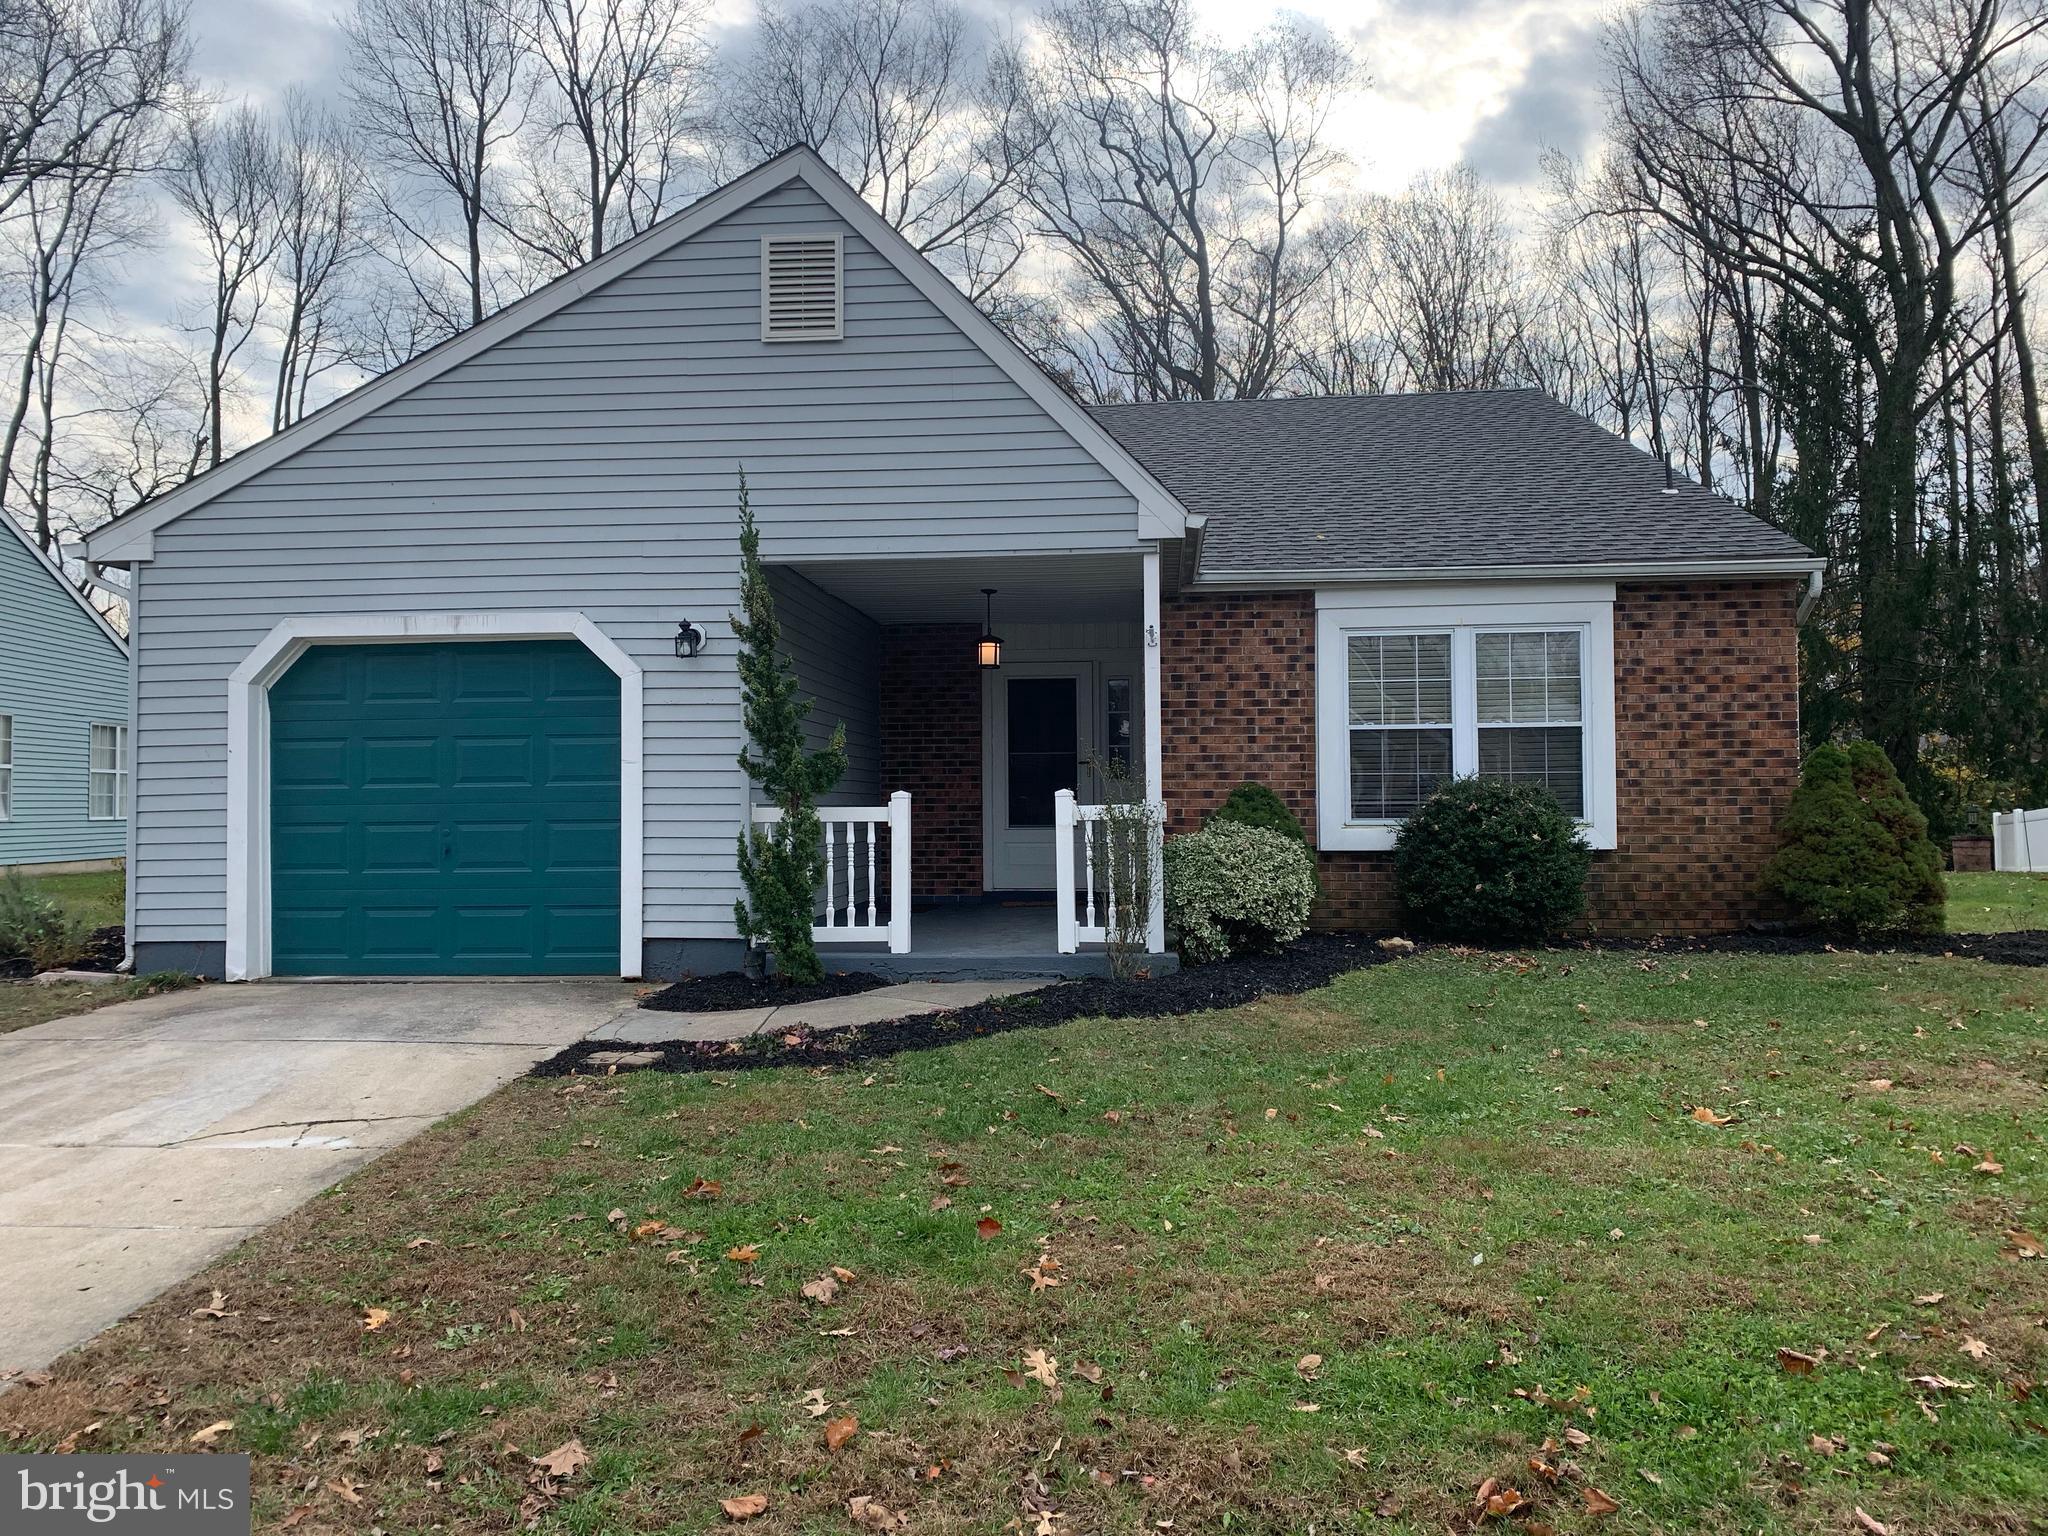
(1084, 892)
(2019, 841)
(851, 869)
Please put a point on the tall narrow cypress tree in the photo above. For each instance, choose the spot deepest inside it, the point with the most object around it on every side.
(782, 863)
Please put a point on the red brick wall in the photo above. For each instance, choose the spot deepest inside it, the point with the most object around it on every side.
(931, 746)
(1706, 743)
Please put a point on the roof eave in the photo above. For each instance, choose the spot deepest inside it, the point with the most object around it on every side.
(1618, 570)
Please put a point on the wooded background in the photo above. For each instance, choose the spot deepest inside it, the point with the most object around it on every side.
(1798, 262)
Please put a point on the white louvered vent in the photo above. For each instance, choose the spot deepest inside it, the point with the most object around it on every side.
(801, 292)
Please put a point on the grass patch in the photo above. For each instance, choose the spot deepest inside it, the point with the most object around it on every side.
(1997, 903)
(94, 899)
(1474, 1187)
(23, 1003)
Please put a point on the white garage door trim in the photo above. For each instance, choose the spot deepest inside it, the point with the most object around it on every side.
(248, 925)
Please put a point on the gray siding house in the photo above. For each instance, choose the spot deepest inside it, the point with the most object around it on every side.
(63, 718)
(420, 682)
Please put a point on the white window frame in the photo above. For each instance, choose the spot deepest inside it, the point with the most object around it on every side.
(1464, 612)
(6, 767)
(119, 771)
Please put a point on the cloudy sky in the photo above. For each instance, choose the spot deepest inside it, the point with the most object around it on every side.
(1489, 81)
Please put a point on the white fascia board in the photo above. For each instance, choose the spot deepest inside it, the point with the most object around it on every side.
(1159, 514)
(1612, 570)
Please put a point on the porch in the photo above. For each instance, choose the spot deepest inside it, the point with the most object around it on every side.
(968, 836)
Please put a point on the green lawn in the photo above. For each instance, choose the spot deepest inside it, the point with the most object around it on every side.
(95, 900)
(1452, 1219)
(1997, 903)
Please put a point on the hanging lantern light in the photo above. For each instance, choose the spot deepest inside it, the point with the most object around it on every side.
(988, 650)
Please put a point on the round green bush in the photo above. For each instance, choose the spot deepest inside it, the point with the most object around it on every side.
(1251, 804)
(1855, 857)
(1489, 861)
(1233, 889)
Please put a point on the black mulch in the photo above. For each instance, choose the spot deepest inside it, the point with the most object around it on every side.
(105, 948)
(735, 989)
(1302, 966)
(1308, 963)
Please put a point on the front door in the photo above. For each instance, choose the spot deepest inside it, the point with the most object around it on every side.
(1040, 744)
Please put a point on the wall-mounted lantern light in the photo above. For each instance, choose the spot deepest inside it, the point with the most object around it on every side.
(988, 650)
(689, 639)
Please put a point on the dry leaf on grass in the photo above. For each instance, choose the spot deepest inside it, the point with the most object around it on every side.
(1042, 1368)
(212, 1432)
(987, 1228)
(217, 1307)
(1869, 1524)
(824, 1290)
(564, 1459)
(839, 1431)
(1706, 1115)
(1307, 1366)
(743, 1253)
(1798, 1362)
(375, 1318)
(745, 1507)
(1974, 1347)
(347, 1491)
(873, 1516)
(1600, 1502)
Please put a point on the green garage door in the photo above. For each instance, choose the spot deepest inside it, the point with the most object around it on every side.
(440, 810)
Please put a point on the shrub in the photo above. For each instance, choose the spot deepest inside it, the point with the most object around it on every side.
(1490, 861)
(33, 927)
(1856, 858)
(1233, 889)
(1251, 804)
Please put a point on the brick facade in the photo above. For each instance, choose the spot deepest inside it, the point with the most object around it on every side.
(1706, 743)
(931, 746)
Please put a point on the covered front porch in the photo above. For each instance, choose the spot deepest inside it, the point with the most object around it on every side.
(985, 736)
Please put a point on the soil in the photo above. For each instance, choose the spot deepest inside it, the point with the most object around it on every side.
(735, 989)
(1310, 962)
(104, 950)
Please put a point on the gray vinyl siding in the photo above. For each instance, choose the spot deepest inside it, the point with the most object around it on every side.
(589, 463)
(837, 652)
(59, 674)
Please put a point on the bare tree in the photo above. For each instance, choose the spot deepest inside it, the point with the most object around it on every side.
(438, 89)
(1453, 296)
(1844, 126)
(319, 241)
(625, 88)
(78, 78)
(899, 99)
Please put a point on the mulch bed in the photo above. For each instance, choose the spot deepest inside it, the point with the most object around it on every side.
(1310, 962)
(735, 989)
(105, 949)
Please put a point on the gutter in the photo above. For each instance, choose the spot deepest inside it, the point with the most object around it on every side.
(1810, 567)
(1806, 603)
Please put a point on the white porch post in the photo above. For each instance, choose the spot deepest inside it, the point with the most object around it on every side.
(1155, 752)
(899, 873)
(1063, 869)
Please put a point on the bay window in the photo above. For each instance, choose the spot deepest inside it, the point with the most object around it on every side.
(1417, 685)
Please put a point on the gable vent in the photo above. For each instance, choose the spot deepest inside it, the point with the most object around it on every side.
(801, 291)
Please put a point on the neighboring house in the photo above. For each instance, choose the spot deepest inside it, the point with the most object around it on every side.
(416, 693)
(63, 718)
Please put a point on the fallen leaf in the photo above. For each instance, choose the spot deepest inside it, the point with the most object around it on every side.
(703, 1189)
(347, 1491)
(1879, 1084)
(1974, 1347)
(1989, 1167)
(1706, 1116)
(216, 1307)
(743, 1253)
(1870, 1525)
(839, 1431)
(987, 1228)
(822, 1290)
(1503, 1502)
(874, 1516)
(1932, 1298)
(375, 1318)
(1041, 1367)
(298, 1513)
(564, 1459)
(814, 1403)
(745, 1507)
(212, 1432)
(1599, 1502)
(1798, 1362)
(424, 1242)
(1307, 1366)
(2024, 1245)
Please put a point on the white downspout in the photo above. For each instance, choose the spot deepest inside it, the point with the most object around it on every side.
(1155, 757)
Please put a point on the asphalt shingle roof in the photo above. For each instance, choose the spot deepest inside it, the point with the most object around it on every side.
(1495, 478)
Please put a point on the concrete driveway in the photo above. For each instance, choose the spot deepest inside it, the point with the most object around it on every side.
(140, 1141)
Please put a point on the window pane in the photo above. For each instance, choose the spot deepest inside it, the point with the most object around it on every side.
(1044, 746)
(1553, 756)
(1393, 772)
(1400, 679)
(1529, 678)
(102, 748)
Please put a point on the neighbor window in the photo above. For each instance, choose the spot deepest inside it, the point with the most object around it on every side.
(6, 767)
(1412, 691)
(107, 793)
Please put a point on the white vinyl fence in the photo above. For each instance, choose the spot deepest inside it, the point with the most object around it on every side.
(2019, 842)
(855, 906)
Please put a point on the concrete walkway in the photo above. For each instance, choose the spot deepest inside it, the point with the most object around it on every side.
(140, 1141)
(912, 997)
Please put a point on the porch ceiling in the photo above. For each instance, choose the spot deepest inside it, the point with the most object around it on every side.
(1032, 589)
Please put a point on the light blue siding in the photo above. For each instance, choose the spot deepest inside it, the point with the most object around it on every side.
(590, 463)
(59, 674)
(837, 652)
